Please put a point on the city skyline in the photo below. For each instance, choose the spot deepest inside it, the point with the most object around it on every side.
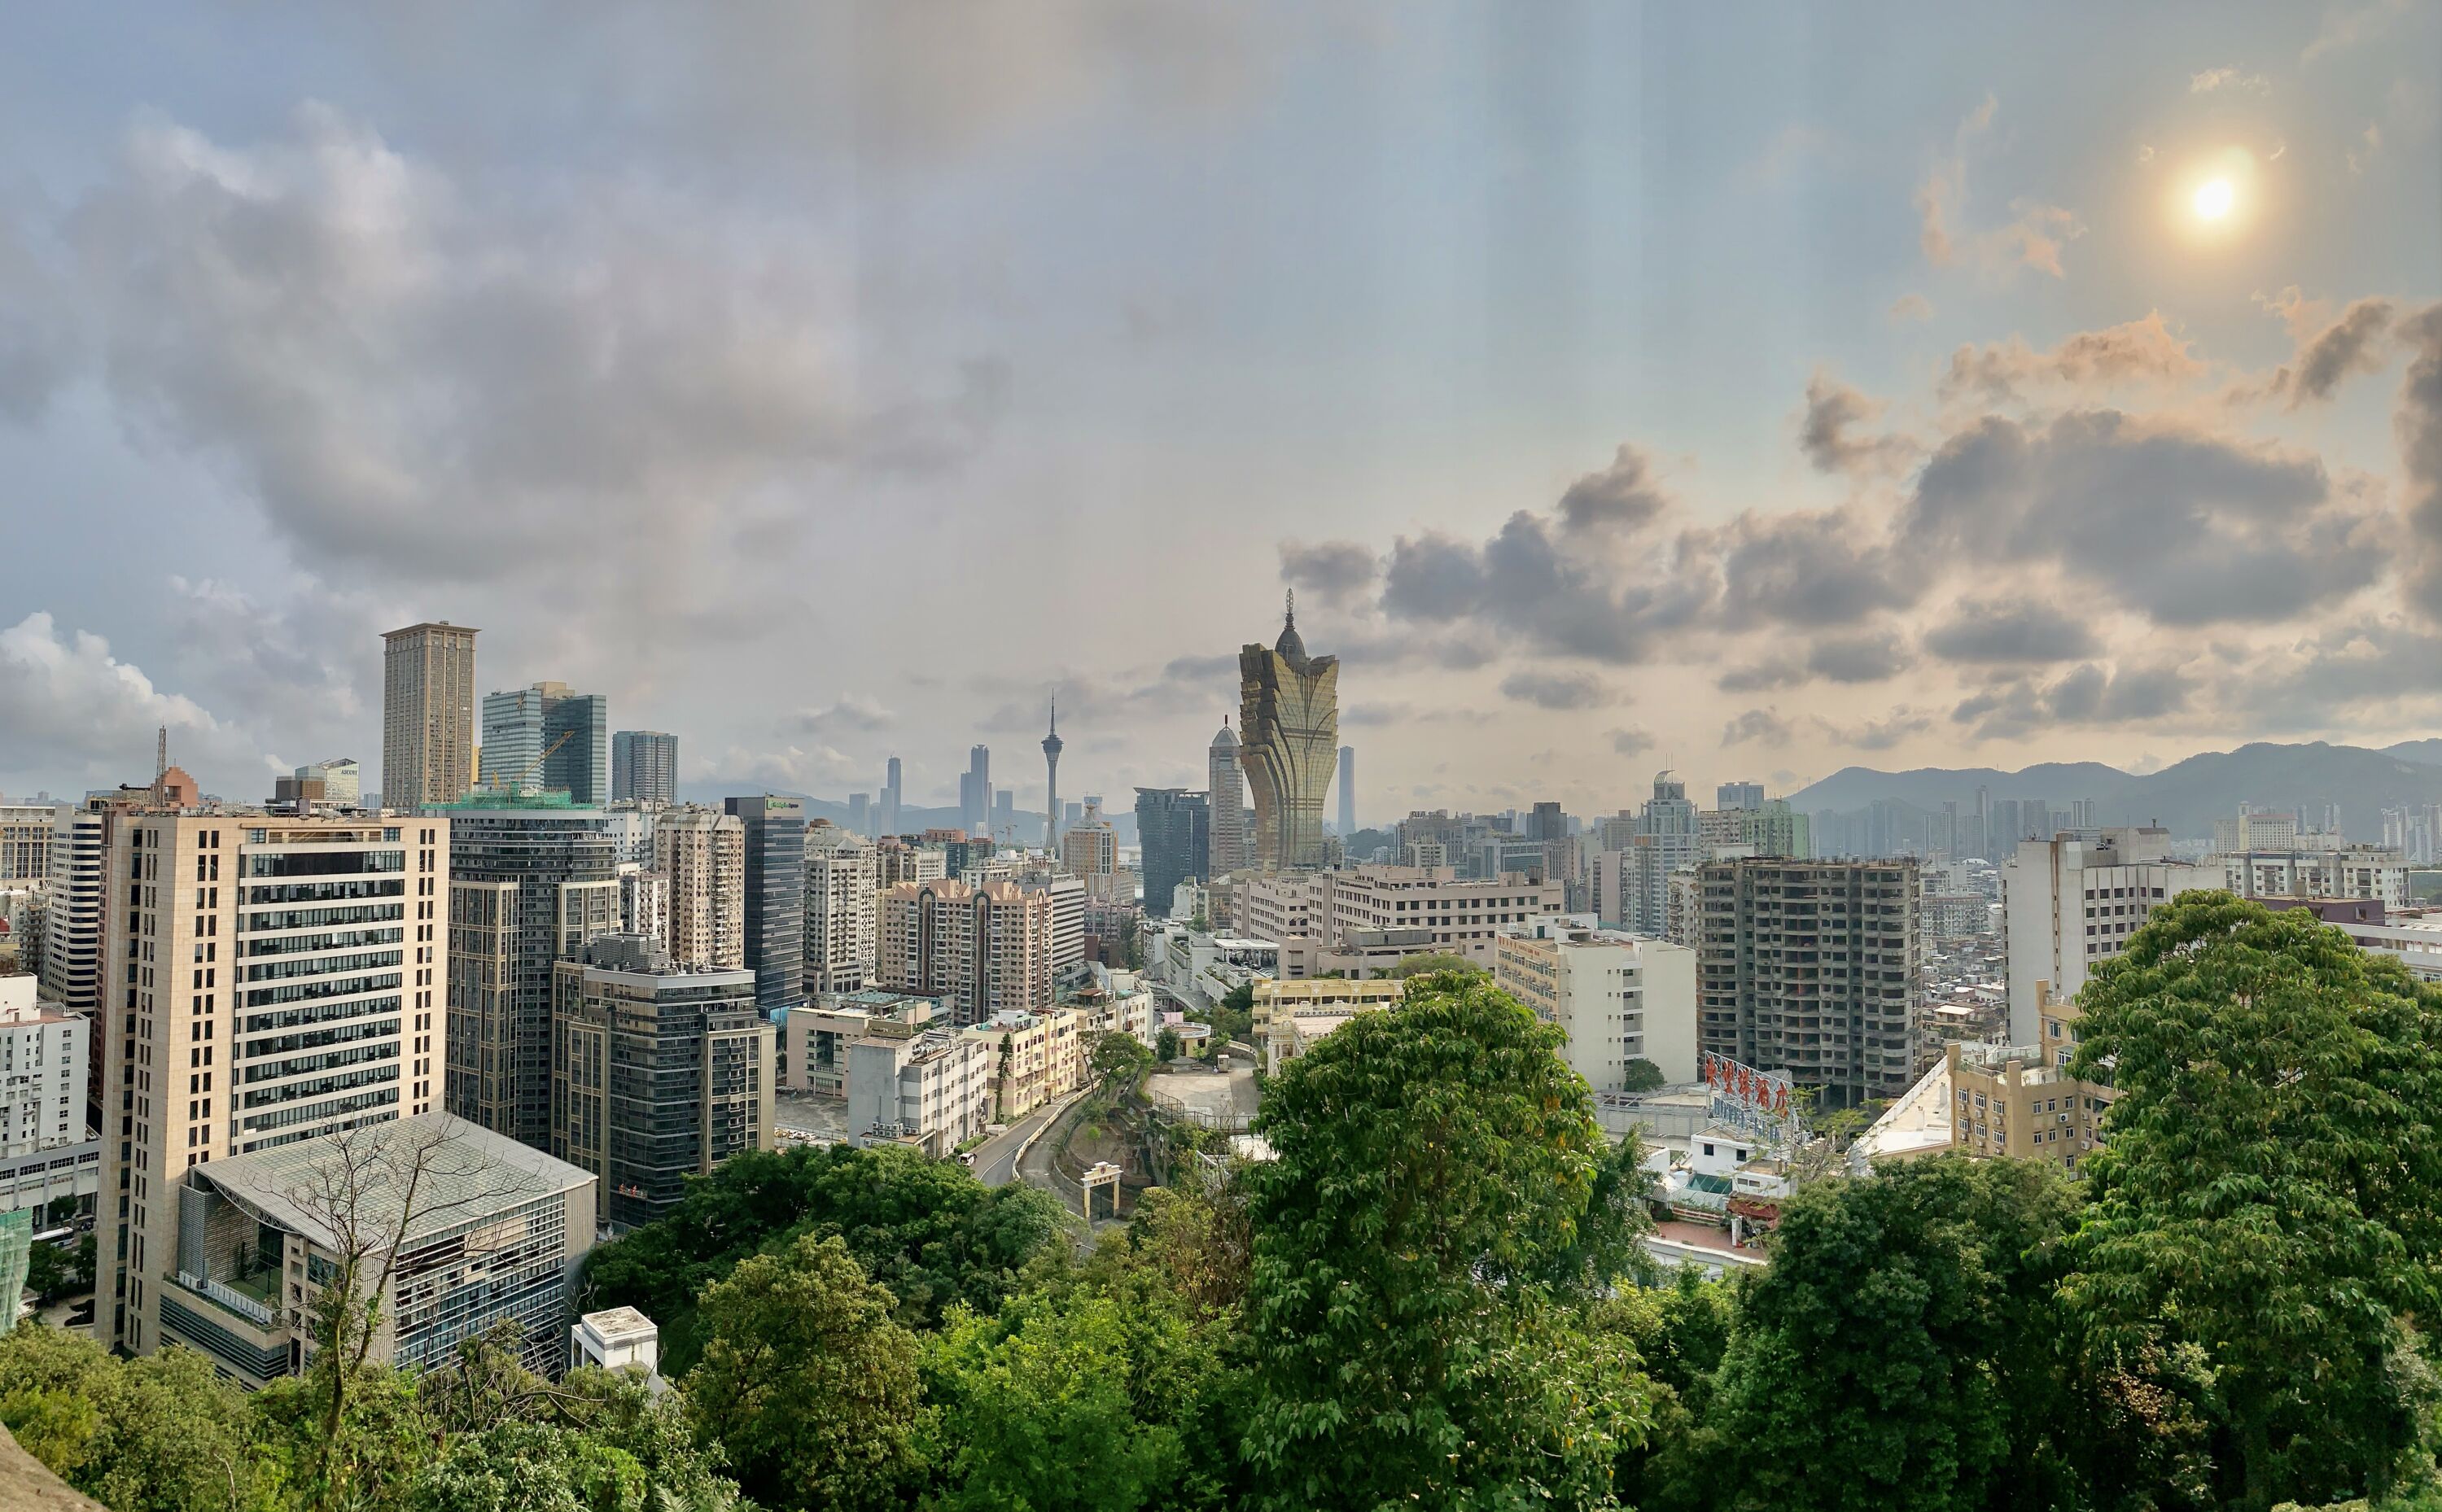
(1987, 428)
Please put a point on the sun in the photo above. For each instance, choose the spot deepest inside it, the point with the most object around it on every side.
(2214, 199)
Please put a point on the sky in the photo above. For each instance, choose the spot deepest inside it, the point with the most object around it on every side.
(1750, 392)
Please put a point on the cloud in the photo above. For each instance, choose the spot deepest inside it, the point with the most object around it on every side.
(1871, 656)
(2213, 79)
(854, 712)
(2369, 142)
(1876, 735)
(1834, 412)
(1631, 741)
(1621, 497)
(2183, 524)
(2419, 425)
(1814, 571)
(1555, 690)
(1762, 677)
(1911, 308)
(2140, 351)
(1335, 572)
(1757, 724)
(2349, 344)
(69, 706)
(2346, 25)
(2032, 238)
(1992, 631)
(2087, 695)
(420, 378)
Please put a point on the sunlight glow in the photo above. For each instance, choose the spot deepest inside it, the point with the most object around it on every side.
(2215, 198)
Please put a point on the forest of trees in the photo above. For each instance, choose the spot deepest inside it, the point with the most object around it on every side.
(1434, 1297)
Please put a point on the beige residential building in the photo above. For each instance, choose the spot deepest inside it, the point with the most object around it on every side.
(702, 851)
(1616, 997)
(1290, 1015)
(895, 861)
(1465, 917)
(814, 1040)
(427, 714)
(924, 1087)
(841, 882)
(1031, 1058)
(985, 950)
(1991, 1100)
(25, 841)
(269, 979)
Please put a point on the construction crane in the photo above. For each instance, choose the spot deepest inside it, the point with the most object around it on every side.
(536, 765)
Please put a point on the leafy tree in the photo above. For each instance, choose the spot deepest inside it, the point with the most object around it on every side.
(163, 1433)
(1418, 1248)
(1235, 1018)
(928, 1230)
(1121, 1058)
(808, 1380)
(1201, 1241)
(1433, 963)
(1873, 1366)
(518, 1466)
(1640, 1075)
(1680, 1331)
(2268, 1193)
(1038, 1413)
(1165, 1045)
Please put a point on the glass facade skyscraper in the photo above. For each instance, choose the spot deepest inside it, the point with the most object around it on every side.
(776, 897)
(643, 767)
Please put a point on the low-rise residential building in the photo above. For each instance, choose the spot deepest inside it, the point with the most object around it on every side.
(1991, 1100)
(495, 1234)
(2353, 871)
(1618, 997)
(1034, 1058)
(814, 1040)
(1289, 1016)
(924, 1087)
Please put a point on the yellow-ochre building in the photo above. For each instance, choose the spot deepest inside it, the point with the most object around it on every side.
(1288, 745)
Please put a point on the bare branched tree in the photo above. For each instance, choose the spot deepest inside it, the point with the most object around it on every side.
(369, 1191)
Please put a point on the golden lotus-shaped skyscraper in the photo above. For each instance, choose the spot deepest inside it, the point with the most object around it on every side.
(1288, 741)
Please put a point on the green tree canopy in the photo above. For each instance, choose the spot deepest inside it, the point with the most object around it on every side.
(1640, 1075)
(808, 1380)
(1417, 1247)
(1872, 1366)
(2268, 1195)
(1434, 962)
(928, 1230)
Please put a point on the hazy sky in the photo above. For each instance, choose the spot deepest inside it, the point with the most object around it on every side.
(1748, 389)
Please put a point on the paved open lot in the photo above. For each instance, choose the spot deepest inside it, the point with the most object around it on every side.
(1204, 1092)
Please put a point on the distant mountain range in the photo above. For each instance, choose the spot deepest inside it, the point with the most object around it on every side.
(2186, 797)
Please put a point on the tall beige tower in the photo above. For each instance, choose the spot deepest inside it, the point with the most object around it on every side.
(427, 714)
(1288, 741)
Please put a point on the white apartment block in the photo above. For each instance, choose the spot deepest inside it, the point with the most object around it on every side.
(1616, 997)
(1444, 911)
(46, 1150)
(2070, 902)
(930, 1088)
(72, 920)
(2359, 871)
(25, 831)
(270, 978)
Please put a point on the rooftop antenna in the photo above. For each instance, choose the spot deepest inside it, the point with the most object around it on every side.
(1292, 614)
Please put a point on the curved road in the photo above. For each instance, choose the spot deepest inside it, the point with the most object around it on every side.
(996, 1157)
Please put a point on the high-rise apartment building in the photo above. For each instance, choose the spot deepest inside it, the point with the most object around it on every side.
(644, 767)
(2069, 903)
(702, 853)
(1288, 724)
(1173, 833)
(427, 714)
(1808, 967)
(889, 819)
(72, 925)
(1347, 790)
(47, 1151)
(272, 978)
(776, 897)
(548, 737)
(1668, 837)
(841, 885)
(896, 861)
(658, 1072)
(1739, 796)
(1617, 997)
(1091, 850)
(985, 949)
(1229, 797)
(1067, 896)
(531, 880)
